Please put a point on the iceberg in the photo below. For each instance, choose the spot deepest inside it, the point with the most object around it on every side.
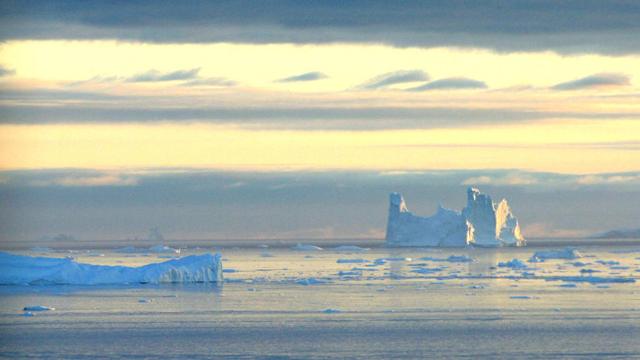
(27, 270)
(481, 223)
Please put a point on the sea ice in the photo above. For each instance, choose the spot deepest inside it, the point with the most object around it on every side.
(160, 249)
(426, 270)
(566, 253)
(306, 247)
(514, 264)
(608, 262)
(482, 223)
(351, 261)
(38, 308)
(27, 270)
(452, 258)
(331, 311)
(350, 248)
(310, 281)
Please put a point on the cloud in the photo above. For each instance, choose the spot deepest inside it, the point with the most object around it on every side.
(212, 81)
(609, 179)
(157, 76)
(595, 81)
(565, 26)
(514, 179)
(87, 180)
(112, 109)
(396, 77)
(309, 76)
(451, 84)
(6, 72)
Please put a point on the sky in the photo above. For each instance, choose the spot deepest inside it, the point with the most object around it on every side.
(194, 117)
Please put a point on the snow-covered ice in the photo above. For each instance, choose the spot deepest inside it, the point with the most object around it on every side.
(514, 264)
(38, 308)
(306, 247)
(351, 261)
(482, 223)
(27, 270)
(566, 253)
(350, 248)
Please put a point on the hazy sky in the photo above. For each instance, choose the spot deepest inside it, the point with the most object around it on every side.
(302, 116)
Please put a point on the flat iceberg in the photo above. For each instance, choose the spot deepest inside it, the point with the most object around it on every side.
(350, 248)
(566, 253)
(482, 223)
(27, 270)
(38, 308)
(306, 247)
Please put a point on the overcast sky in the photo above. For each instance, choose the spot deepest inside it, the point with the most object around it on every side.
(119, 116)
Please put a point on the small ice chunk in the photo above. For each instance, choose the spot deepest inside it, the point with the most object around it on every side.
(426, 270)
(522, 297)
(351, 261)
(569, 285)
(608, 262)
(350, 248)
(229, 270)
(145, 301)
(452, 258)
(28, 314)
(331, 311)
(306, 247)
(310, 281)
(588, 271)
(349, 273)
(578, 264)
(38, 308)
(396, 259)
(514, 264)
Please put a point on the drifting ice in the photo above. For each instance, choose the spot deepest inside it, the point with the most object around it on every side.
(27, 270)
(481, 223)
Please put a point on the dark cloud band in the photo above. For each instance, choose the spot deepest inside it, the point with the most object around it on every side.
(571, 26)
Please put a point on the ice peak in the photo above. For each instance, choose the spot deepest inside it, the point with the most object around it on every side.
(396, 202)
(482, 222)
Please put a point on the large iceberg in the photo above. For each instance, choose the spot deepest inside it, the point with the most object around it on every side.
(27, 270)
(482, 223)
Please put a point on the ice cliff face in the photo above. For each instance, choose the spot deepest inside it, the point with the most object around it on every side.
(481, 223)
(27, 270)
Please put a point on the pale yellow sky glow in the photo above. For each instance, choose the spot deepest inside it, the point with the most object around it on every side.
(566, 147)
(577, 136)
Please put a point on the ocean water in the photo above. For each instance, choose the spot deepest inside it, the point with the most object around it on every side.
(280, 303)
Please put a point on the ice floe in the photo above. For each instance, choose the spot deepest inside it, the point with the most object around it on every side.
(38, 308)
(513, 264)
(351, 261)
(306, 247)
(566, 253)
(350, 248)
(27, 270)
(452, 258)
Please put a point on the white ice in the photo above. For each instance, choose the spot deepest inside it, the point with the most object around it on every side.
(566, 253)
(306, 247)
(27, 270)
(482, 223)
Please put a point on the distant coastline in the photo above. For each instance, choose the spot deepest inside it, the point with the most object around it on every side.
(327, 243)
